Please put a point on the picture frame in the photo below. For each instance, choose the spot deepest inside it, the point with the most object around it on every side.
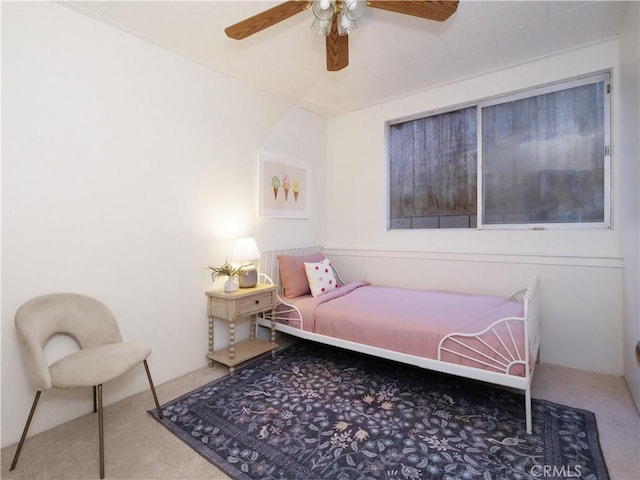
(284, 187)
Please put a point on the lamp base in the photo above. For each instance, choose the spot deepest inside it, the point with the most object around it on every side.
(248, 277)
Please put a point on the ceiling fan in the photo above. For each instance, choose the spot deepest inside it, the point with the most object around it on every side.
(335, 18)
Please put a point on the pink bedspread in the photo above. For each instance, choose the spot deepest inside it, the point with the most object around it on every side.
(413, 321)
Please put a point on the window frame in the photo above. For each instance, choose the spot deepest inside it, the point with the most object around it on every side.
(605, 76)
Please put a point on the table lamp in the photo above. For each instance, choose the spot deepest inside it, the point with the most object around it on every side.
(245, 252)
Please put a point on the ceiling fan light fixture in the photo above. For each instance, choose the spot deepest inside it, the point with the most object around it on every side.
(321, 27)
(345, 24)
(354, 9)
(323, 9)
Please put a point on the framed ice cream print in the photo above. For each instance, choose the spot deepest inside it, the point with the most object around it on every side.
(283, 187)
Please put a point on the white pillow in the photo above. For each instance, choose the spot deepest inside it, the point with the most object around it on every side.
(321, 277)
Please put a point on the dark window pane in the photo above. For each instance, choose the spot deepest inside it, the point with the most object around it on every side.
(433, 169)
(543, 158)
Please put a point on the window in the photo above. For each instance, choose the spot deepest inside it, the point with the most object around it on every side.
(538, 158)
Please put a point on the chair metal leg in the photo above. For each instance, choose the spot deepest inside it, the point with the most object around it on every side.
(97, 398)
(101, 430)
(153, 389)
(26, 429)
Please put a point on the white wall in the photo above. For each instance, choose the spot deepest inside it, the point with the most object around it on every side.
(630, 164)
(581, 271)
(126, 170)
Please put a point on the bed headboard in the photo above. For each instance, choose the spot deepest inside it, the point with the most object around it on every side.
(269, 260)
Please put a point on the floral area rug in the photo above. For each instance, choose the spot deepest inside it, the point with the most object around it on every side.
(315, 412)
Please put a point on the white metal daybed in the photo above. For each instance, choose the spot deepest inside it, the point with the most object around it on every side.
(503, 352)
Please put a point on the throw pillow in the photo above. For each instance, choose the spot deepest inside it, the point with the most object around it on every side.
(321, 277)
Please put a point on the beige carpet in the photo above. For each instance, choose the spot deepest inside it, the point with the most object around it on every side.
(137, 447)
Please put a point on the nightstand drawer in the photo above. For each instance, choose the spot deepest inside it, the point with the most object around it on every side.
(255, 303)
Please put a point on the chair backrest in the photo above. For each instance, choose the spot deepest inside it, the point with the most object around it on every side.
(84, 318)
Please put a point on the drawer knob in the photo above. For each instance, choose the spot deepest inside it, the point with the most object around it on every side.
(257, 302)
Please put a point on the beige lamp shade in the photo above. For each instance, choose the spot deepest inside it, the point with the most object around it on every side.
(246, 251)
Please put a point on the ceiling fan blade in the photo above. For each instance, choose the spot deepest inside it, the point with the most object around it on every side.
(337, 48)
(265, 19)
(431, 10)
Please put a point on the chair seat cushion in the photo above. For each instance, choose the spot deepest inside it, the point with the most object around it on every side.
(97, 365)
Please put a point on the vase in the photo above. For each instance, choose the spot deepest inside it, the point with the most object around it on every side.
(231, 285)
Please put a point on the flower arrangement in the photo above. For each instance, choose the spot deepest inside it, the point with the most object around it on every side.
(225, 270)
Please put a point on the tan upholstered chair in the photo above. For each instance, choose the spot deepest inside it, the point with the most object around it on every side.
(102, 356)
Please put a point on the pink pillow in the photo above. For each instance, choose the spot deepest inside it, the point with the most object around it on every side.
(293, 275)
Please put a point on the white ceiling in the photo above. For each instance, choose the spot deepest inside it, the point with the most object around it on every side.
(390, 54)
